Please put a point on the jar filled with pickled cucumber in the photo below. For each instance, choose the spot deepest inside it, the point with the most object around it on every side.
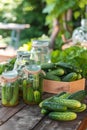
(10, 88)
(32, 84)
(21, 61)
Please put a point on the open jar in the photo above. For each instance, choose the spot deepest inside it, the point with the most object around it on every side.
(10, 88)
(32, 85)
(40, 52)
(21, 61)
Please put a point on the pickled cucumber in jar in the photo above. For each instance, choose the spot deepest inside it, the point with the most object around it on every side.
(32, 86)
(10, 89)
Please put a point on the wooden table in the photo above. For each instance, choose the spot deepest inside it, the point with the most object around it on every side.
(16, 29)
(28, 117)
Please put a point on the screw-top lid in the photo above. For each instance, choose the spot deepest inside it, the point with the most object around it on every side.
(32, 69)
(10, 76)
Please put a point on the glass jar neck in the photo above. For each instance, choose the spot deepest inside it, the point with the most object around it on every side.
(84, 22)
(40, 43)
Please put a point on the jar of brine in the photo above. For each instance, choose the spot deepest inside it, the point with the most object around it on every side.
(32, 84)
(10, 89)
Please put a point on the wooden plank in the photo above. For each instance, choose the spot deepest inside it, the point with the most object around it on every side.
(25, 119)
(48, 124)
(7, 112)
(29, 118)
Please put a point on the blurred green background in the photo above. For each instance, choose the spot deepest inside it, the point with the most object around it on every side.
(52, 18)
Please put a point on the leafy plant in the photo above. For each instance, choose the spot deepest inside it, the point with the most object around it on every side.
(74, 55)
(60, 10)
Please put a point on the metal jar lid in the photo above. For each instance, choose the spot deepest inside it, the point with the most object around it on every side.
(10, 76)
(32, 69)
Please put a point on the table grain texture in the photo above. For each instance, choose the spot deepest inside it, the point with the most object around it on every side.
(28, 117)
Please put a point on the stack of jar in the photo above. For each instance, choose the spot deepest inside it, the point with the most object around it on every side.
(26, 76)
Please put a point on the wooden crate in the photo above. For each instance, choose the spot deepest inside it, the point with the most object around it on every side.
(51, 86)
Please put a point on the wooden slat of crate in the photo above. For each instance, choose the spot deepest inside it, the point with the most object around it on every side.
(8, 112)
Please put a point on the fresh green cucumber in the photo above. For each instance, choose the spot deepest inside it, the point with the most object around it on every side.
(46, 66)
(40, 89)
(65, 95)
(52, 77)
(36, 82)
(80, 109)
(51, 98)
(3, 94)
(44, 111)
(30, 95)
(53, 106)
(78, 95)
(58, 72)
(79, 76)
(62, 116)
(37, 96)
(70, 77)
(68, 67)
(68, 102)
(9, 92)
(15, 99)
(24, 89)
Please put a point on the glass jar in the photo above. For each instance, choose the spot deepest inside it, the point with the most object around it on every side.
(21, 61)
(32, 85)
(10, 89)
(40, 52)
(79, 35)
(18, 61)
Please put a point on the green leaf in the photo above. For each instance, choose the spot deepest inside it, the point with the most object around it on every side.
(49, 8)
(76, 14)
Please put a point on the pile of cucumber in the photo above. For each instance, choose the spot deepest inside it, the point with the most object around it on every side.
(10, 94)
(64, 106)
(61, 72)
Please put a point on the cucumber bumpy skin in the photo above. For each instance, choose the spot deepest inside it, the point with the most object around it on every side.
(14, 99)
(24, 89)
(51, 98)
(3, 94)
(68, 102)
(53, 106)
(57, 72)
(80, 109)
(9, 92)
(79, 95)
(44, 111)
(30, 95)
(70, 77)
(62, 116)
(37, 96)
(36, 82)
